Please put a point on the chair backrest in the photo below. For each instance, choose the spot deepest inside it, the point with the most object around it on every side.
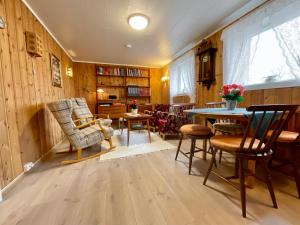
(162, 107)
(81, 110)
(263, 119)
(218, 105)
(62, 111)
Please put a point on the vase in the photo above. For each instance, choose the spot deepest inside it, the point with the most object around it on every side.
(231, 104)
(134, 111)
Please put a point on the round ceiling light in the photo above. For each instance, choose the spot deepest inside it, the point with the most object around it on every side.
(138, 21)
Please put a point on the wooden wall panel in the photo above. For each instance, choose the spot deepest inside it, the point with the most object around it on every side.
(28, 130)
(85, 83)
(156, 86)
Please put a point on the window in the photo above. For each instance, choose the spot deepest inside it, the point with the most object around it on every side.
(182, 77)
(263, 49)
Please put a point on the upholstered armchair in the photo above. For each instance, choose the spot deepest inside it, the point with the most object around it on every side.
(161, 111)
(170, 123)
(81, 136)
(83, 115)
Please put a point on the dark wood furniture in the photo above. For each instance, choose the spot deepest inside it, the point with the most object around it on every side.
(137, 122)
(206, 54)
(288, 144)
(194, 132)
(114, 111)
(122, 84)
(253, 145)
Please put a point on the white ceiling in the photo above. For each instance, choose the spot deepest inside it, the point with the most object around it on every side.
(97, 30)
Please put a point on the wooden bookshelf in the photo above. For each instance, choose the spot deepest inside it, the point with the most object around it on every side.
(124, 82)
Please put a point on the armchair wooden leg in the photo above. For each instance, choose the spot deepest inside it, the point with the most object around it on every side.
(111, 146)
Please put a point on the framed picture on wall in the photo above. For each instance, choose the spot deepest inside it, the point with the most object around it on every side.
(55, 71)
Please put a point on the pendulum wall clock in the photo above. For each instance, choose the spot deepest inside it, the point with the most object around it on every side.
(206, 54)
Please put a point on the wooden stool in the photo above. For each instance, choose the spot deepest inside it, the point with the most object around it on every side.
(288, 143)
(194, 132)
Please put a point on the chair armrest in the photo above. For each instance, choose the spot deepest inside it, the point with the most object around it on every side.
(82, 118)
(86, 124)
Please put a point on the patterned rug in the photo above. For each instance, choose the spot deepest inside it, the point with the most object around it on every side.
(139, 144)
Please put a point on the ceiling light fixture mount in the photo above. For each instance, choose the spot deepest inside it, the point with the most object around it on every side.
(138, 21)
(128, 46)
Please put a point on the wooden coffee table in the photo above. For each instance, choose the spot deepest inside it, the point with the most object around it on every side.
(136, 122)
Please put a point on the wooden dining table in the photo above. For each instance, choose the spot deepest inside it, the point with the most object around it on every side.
(238, 114)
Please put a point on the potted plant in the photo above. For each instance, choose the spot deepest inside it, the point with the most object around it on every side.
(232, 93)
(133, 106)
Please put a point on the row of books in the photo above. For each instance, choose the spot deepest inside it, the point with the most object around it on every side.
(137, 73)
(111, 71)
(138, 91)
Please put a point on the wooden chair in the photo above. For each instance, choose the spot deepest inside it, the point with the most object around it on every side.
(81, 136)
(194, 132)
(224, 126)
(288, 143)
(253, 145)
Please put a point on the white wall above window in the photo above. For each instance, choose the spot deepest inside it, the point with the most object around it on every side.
(262, 50)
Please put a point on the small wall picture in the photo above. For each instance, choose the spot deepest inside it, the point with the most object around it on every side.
(55, 71)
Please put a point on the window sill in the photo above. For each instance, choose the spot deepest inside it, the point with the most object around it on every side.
(269, 85)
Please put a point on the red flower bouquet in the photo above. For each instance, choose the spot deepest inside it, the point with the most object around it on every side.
(233, 92)
(133, 104)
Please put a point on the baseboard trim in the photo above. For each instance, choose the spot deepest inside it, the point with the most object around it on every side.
(14, 182)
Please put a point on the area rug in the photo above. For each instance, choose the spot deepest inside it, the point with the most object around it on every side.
(139, 144)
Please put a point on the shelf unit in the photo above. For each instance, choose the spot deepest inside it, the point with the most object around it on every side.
(124, 82)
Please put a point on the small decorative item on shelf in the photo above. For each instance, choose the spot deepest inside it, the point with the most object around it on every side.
(232, 93)
(133, 106)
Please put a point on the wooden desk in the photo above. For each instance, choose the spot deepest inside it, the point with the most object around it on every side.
(238, 114)
(133, 119)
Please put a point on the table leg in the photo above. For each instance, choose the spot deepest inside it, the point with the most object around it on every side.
(148, 127)
(250, 180)
(128, 131)
(204, 143)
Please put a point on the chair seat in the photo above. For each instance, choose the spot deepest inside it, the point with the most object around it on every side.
(195, 130)
(231, 128)
(231, 143)
(285, 136)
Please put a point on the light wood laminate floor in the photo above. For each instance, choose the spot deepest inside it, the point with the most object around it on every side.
(150, 189)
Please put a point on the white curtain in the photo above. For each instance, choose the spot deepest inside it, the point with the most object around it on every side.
(264, 46)
(182, 76)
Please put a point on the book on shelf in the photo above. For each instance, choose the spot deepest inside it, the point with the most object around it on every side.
(138, 91)
(132, 72)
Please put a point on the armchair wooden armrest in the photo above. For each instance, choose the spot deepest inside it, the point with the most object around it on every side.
(86, 124)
